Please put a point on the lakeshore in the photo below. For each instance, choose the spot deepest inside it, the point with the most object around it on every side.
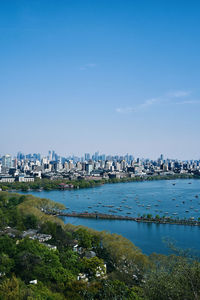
(157, 198)
(64, 184)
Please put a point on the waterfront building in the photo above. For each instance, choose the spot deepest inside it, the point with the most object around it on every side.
(24, 178)
(7, 178)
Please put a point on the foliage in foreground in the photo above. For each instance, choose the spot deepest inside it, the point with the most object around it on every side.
(130, 274)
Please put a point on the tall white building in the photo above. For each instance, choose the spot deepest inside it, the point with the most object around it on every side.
(7, 161)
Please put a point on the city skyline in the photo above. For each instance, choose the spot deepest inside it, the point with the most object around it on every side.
(114, 76)
(26, 168)
(97, 155)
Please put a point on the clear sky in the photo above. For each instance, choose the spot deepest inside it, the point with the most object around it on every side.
(116, 76)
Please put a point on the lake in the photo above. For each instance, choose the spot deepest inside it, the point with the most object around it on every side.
(175, 198)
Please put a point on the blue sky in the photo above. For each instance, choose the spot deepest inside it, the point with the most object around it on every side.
(111, 75)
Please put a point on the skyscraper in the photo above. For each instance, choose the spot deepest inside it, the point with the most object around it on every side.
(87, 156)
(96, 155)
(7, 161)
(53, 155)
(50, 155)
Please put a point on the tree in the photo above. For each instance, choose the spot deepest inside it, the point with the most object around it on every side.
(30, 221)
(41, 292)
(3, 219)
(84, 238)
(123, 258)
(113, 290)
(172, 277)
(7, 246)
(6, 264)
(70, 261)
(149, 216)
(93, 266)
(12, 289)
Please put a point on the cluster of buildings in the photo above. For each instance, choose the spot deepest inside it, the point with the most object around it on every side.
(25, 168)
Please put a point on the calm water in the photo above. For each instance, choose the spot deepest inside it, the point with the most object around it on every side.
(177, 198)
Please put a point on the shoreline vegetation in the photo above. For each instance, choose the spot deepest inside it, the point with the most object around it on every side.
(143, 219)
(64, 184)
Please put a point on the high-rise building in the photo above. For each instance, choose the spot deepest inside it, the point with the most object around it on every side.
(37, 156)
(15, 163)
(50, 155)
(103, 157)
(79, 166)
(7, 161)
(126, 157)
(20, 156)
(96, 155)
(87, 156)
(130, 158)
(66, 166)
(53, 155)
(70, 164)
(88, 168)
